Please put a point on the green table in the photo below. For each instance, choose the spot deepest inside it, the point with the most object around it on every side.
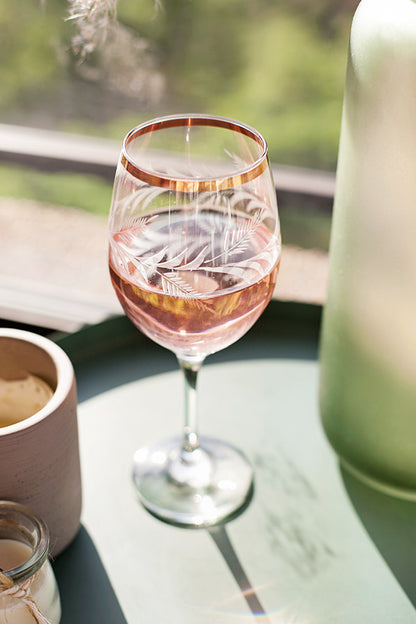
(312, 546)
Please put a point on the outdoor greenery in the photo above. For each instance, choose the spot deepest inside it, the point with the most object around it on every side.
(86, 192)
(278, 65)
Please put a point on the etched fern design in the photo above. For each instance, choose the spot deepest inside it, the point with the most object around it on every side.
(238, 239)
(173, 284)
(155, 252)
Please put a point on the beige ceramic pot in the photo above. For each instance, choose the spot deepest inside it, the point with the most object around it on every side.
(39, 455)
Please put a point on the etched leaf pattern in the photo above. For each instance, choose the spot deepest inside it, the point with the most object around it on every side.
(169, 259)
(173, 284)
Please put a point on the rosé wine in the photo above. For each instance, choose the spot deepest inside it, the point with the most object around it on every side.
(194, 285)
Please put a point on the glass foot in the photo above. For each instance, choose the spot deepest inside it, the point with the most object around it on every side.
(197, 488)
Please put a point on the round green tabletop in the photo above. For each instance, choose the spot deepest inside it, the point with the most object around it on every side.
(312, 546)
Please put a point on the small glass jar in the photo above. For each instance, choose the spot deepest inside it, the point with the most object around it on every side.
(28, 589)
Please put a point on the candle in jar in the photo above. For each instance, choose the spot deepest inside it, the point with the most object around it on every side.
(28, 589)
(13, 554)
(43, 589)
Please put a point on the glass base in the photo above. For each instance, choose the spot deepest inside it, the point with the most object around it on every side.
(197, 488)
(395, 491)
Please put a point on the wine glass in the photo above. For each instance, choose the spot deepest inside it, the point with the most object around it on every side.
(194, 252)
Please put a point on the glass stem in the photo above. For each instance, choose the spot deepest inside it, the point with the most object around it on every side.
(190, 371)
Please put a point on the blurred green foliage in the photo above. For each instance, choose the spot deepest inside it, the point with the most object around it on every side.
(278, 65)
(291, 89)
(30, 35)
(88, 193)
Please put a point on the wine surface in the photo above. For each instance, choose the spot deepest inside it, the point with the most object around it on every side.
(194, 284)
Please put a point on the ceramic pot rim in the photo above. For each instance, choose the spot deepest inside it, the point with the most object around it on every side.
(64, 373)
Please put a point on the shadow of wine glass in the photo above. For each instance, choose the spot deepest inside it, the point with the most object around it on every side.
(391, 524)
(222, 541)
(220, 537)
(86, 592)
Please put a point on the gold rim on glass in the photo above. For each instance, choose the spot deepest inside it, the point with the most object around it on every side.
(195, 185)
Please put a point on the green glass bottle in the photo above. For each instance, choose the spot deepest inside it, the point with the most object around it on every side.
(368, 343)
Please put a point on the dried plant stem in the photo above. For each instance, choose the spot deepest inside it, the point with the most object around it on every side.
(93, 18)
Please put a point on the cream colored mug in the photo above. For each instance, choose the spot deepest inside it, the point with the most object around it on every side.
(39, 454)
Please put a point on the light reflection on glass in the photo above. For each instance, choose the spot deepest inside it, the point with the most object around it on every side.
(159, 457)
(232, 608)
(224, 484)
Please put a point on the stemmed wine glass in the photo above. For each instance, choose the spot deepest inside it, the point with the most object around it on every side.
(194, 251)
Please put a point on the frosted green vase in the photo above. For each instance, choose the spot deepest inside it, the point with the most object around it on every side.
(368, 344)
